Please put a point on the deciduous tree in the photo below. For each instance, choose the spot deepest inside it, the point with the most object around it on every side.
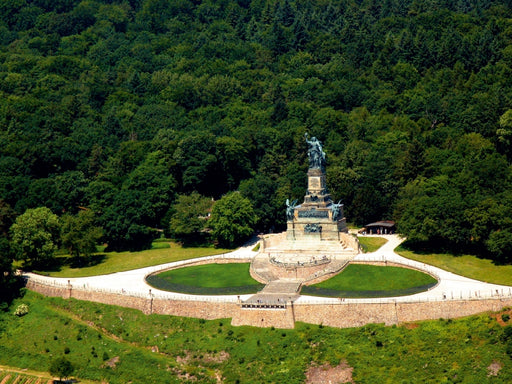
(80, 235)
(190, 218)
(35, 236)
(233, 219)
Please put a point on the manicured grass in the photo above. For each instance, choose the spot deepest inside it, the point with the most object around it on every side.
(124, 261)
(464, 265)
(371, 244)
(361, 280)
(159, 349)
(210, 279)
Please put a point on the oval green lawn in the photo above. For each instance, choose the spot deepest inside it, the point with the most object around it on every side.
(208, 279)
(362, 280)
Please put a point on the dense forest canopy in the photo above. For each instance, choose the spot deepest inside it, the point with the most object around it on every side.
(120, 107)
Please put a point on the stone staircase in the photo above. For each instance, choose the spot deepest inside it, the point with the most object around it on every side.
(260, 269)
(276, 292)
(282, 286)
(333, 268)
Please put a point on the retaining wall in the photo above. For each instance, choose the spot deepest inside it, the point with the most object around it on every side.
(358, 314)
(342, 315)
(199, 309)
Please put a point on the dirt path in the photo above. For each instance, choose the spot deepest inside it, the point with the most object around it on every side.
(28, 372)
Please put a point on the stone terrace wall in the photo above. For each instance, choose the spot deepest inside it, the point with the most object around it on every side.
(348, 314)
(199, 309)
(265, 318)
(341, 315)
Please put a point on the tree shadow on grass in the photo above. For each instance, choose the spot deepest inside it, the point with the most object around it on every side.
(433, 246)
(90, 261)
(56, 264)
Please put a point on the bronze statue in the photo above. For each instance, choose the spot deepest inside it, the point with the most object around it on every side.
(290, 208)
(315, 153)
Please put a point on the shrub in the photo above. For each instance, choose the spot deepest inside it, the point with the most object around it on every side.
(508, 349)
(507, 333)
(61, 367)
(505, 317)
(21, 310)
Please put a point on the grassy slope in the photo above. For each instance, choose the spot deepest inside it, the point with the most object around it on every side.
(465, 265)
(125, 261)
(156, 349)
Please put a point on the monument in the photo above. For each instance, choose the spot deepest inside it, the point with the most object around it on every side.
(316, 233)
(318, 218)
(315, 247)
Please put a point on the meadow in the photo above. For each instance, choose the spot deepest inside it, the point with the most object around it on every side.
(110, 262)
(465, 265)
(371, 244)
(120, 345)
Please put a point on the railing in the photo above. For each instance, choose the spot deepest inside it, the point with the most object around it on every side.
(405, 262)
(496, 294)
(242, 256)
(150, 294)
(300, 264)
(449, 296)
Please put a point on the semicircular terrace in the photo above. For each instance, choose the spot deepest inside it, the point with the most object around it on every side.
(454, 296)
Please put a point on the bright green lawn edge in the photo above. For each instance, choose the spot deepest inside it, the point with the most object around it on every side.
(367, 281)
(371, 244)
(208, 279)
(464, 265)
(126, 261)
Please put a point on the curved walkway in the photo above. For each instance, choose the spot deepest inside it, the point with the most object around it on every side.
(450, 286)
(133, 283)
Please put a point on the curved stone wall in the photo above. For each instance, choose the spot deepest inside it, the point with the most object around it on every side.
(342, 314)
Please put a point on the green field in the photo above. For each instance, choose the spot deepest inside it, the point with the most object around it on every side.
(209, 279)
(464, 265)
(112, 262)
(361, 280)
(121, 345)
(371, 244)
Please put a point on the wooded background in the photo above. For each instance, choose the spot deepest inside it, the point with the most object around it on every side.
(121, 107)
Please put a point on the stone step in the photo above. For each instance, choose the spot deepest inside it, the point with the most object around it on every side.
(260, 267)
(282, 286)
(313, 251)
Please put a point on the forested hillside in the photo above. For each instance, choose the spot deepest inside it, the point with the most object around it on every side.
(121, 107)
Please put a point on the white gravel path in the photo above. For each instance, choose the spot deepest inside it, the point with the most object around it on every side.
(450, 286)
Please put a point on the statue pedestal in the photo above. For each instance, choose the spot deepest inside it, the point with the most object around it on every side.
(318, 218)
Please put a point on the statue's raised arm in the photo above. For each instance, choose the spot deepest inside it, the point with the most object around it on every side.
(315, 153)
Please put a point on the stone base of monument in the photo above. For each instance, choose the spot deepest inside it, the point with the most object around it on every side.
(303, 260)
(315, 247)
(284, 266)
